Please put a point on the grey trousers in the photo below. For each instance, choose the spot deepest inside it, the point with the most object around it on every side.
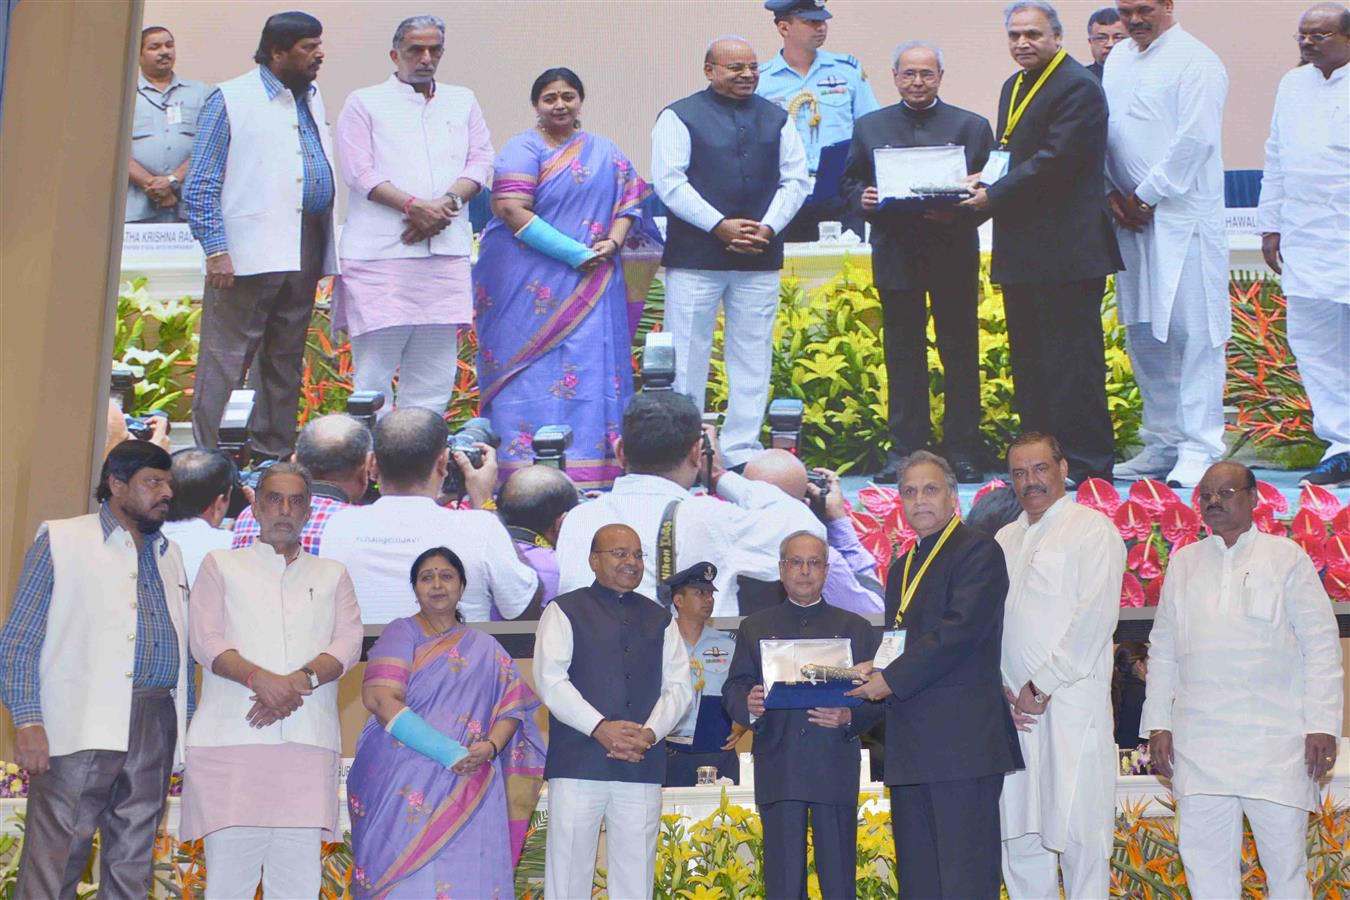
(257, 328)
(121, 794)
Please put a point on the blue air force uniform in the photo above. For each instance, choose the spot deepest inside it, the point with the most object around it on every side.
(840, 91)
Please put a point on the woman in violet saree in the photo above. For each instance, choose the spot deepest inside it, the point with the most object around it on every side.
(450, 765)
(556, 307)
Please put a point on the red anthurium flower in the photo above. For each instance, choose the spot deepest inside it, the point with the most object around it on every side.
(1099, 494)
(1337, 583)
(1320, 501)
(1153, 495)
(986, 488)
(1269, 495)
(1338, 551)
(1153, 592)
(1132, 521)
(1143, 560)
(1340, 524)
(1315, 547)
(884, 503)
(1179, 521)
(1306, 524)
(1184, 541)
(875, 538)
(1131, 591)
(1264, 520)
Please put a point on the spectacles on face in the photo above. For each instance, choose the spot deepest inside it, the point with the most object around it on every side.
(927, 76)
(1108, 39)
(1319, 37)
(621, 554)
(1222, 495)
(739, 68)
(797, 563)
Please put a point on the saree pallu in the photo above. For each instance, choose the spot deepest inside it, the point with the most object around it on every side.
(418, 829)
(554, 343)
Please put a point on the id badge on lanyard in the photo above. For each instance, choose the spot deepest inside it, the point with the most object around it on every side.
(996, 167)
(892, 645)
(174, 111)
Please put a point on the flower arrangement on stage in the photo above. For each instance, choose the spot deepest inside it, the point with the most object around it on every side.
(1154, 523)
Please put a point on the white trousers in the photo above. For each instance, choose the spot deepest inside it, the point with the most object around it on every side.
(1031, 872)
(632, 817)
(749, 302)
(289, 861)
(1319, 334)
(1211, 846)
(1181, 379)
(424, 356)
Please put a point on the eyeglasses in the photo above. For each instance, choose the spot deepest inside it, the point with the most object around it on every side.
(1222, 495)
(620, 554)
(797, 564)
(738, 68)
(927, 76)
(1107, 38)
(1319, 37)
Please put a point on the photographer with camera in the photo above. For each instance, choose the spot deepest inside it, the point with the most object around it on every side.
(336, 450)
(851, 579)
(532, 504)
(663, 449)
(203, 481)
(378, 543)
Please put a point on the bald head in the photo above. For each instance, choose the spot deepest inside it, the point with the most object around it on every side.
(780, 469)
(537, 498)
(610, 535)
(720, 47)
(334, 444)
(616, 558)
(731, 68)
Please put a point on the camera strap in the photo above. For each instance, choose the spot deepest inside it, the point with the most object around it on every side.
(665, 552)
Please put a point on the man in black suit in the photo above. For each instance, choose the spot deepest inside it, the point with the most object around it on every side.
(806, 760)
(914, 253)
(1053, 243)
(949, 734)
(1105, 30)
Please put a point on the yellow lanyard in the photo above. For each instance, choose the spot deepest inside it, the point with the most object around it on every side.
(1014, 111)
(908, 590)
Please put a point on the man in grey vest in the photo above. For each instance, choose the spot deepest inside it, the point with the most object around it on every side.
(612, 669)
(731, 170)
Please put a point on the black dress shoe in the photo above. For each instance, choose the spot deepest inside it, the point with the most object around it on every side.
(966, 471)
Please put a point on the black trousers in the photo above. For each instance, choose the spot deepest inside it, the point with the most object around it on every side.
(1059, 369)
(947, 839)
(955, 302)
(834, 834)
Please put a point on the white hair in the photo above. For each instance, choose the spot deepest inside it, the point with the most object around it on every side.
(905, 47)
(1040, 6)
(415, 22)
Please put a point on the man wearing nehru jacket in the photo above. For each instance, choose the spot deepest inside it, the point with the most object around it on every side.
(613, 671)
(731, 170)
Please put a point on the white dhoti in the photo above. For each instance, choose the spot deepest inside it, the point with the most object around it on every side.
(1181, 376)
(1210, 840)
(425, 358)
(288, 860)
(632, 817)
(1319, 335)
(749, 302)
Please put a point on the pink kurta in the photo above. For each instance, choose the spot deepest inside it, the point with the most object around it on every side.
(285, 785)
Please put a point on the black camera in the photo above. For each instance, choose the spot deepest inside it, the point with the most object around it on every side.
(477, 430)
(550, 445)
(363, 406)
(817, 501)
(658, 362)
(234, 422)
(142, 427)
(785, 423)
(123, 387)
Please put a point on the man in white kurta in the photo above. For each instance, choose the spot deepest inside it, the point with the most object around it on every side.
(1244, 697)
(1304, 220)
(1166, 93)
(1065, 563)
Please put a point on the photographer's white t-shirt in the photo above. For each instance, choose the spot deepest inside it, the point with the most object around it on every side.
(378, 544)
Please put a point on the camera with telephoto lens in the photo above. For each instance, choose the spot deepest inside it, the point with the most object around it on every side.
(550, 443)
(477, 430)
(234, 421)
(817, 502)
(658, 362)
(363, 406)
(785, 423)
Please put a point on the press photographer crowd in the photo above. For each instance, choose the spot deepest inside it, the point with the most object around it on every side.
(695, 591)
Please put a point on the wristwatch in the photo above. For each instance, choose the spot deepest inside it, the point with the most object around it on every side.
(456, 201)
(312, 676)
(174, 183)
(1036, 693)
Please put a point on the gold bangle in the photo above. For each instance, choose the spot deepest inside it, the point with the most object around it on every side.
(217, 254)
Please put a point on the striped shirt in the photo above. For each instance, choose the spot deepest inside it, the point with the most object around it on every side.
(246, 527)
(156, 654)
(206, 175)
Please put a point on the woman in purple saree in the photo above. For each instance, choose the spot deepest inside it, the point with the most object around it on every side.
(440, 691)
(556, 304)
